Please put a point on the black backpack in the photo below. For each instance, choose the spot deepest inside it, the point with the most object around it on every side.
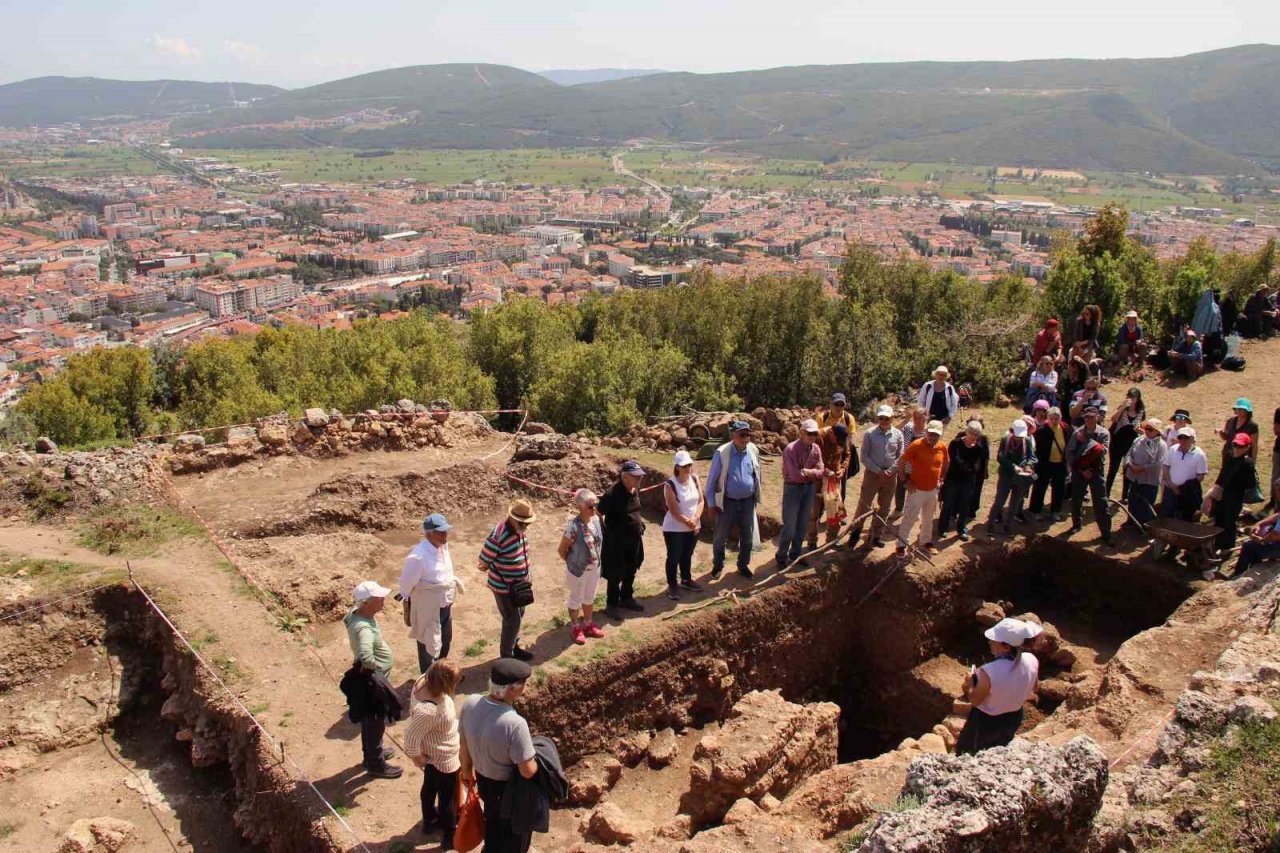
(1233, 362)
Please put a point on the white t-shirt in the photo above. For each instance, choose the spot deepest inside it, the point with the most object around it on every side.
(1012, 682)
(426, 564)
(1185, 466)
(686, 501)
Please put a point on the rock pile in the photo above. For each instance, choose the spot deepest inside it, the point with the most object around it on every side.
(54, 483)
(771, 429)
(320, 434)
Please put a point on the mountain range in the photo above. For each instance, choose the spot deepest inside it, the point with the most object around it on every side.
(578, 76)
(52, 100)
(1207, 113)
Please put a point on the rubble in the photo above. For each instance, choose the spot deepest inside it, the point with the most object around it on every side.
(97, 835)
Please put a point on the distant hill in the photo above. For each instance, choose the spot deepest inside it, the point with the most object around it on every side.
(579, 76)
(1208, 113)
(51, 100)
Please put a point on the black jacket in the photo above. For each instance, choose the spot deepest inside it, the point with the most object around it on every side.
(369, 693)
(526, 803)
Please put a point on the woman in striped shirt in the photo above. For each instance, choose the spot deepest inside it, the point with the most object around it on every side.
(431, 742)
(505, 557)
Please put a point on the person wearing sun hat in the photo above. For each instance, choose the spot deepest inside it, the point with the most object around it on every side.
(927, 459)
(505, 557)
(1179, 419)
(939, 398)
(1184, 471)
(1143, 468)
(1240, 422)
(882, 446)
(1015, 472)
(998, 690)
(1187, 355)
(1086, 463)
(734, 486)
(802, 469)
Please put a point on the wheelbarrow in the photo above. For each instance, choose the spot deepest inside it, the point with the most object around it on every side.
(1194, 539)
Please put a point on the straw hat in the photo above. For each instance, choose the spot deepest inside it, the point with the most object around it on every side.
(522, 511)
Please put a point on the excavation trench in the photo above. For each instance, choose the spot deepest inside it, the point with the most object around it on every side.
(105, 668)
(892, 659)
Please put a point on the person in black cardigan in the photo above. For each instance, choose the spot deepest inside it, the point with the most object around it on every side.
(1237, 481)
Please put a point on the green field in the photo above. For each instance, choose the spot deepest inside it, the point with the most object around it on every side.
(69, 161)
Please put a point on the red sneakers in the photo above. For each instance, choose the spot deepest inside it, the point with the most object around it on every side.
(578, 636)
(593, 631)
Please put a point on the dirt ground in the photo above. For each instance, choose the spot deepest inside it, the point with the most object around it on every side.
(290, 678)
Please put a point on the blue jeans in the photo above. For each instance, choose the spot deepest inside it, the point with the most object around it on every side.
(743, 514)
(797, 503)
(1142, 501)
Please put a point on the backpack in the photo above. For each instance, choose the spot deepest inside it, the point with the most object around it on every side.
(1232, 362)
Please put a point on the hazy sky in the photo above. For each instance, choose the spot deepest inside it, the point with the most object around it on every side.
(292, 43)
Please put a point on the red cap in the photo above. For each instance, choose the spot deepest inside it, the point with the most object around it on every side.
(1242, 439)
(1052, 321)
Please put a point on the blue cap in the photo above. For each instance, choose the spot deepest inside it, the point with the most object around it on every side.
(837, 397)
(631, 466)
(1243, 403)
(436, 523)
(739, 426)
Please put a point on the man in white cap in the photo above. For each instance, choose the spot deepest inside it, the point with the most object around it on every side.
(372, 655)
(1016, 466)
(428, 584)
(802, 469)
(939, 398)
(1184, 471)
(927, 458)
(998, 690)
(882, 446)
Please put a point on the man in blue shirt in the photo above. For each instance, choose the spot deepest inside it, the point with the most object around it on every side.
(1187, 356)
(733, 490)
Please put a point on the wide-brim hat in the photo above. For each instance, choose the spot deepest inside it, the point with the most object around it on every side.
(1012, 632)
(522, 511)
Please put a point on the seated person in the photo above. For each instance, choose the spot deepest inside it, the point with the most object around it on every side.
(1263, 544)
(1048, 342)
(1131, 347)
(1187, 357)
(1043, 384)
(1259, 315)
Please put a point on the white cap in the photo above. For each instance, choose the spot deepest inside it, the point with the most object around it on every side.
(1020, 428)
(683, 458)
(1186, 432)
(884, 411)
(934, 427)
(366, 590)
(1012, 632)
(941, 368)
(809, 425)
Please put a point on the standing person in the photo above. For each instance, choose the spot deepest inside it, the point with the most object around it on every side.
(1181, 418)
(1015, 468)
(1086, 458)
(428, 583)
(373, 657)
(1087, 397)
(1131, 347)
(927, 458)
(1124, 431)
(1187, 356)
(967, 456)
(431, 741)
(998, 690)
(1240, 422)
(802, 470)
(505, 557)
(882, 447)
(912, 428)
(984, 468)
(580, 548)
(1049, 342)
(1184, 472)
(682, 523)
(833, 443)
(1143, 470)
(623, 549)
(939, 398)
(1051, 467)
(495, 746)
(839, 414)
(734, 484)
(1236, 482)
(1043, 384)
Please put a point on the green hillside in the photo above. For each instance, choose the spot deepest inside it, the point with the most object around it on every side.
(50, 100)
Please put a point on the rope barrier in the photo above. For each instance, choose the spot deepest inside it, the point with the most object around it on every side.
(355, 416)
(276, 744)
(42, 606)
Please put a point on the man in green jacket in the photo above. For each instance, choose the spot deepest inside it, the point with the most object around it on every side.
(373, 654)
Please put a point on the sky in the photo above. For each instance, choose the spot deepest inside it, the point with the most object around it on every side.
(291, 44)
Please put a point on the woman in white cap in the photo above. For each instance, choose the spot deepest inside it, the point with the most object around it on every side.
(998, 690)
(1016, 467)
(681, 525)
(580, 550)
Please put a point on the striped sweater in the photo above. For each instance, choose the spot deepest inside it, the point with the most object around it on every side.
(506, 557)
(432, 732)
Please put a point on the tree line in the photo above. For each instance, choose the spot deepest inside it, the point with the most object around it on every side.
(715, 343)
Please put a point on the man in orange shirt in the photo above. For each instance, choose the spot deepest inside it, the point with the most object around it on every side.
(926, 460)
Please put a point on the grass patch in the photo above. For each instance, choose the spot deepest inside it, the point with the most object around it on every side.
(200, 643)
(476, 649)
(8, 828)
(260, 708)
(286, 719)
(230, 669)
(44, 498)
(54, 574)
(540, 676)
(135, 529)
(341, 808)
(291, 624)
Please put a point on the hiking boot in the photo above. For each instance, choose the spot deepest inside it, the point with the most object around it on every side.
(673, 592)
(384, 771)
(594, 631)
(632, 605)
(579, 638)
(962, 536)
(521, 654)
(691, 585)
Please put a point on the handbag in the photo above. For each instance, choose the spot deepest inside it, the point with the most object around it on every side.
(521, 593)
(470, 832)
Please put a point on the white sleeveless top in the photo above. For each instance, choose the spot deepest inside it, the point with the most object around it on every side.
(1011, 683)
(687, 501)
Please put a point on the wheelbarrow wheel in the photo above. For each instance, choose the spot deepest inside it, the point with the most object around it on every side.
(1158, 547)
(700, 432)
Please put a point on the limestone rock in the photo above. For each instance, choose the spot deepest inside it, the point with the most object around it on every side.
(663, 749)
(315, 418)
(1251, 709)
(549, 446)
(406, 406)
(633, 748)
(743, 811)
(933, 742)
(677, 829)
(988, 614)
(592, 778)
(609, 824)
(538, 428)
(1198, 712)
(44, 444)
(767, 746)
(1018, 798)
(188, 442)
(97, 835)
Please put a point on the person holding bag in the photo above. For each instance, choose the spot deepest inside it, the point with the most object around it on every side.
(431, 743)
(505, 556)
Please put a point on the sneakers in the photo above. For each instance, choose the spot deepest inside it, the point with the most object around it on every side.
(962, 536)
(579, 637)
(692, 586)
(715, 574)
(673, 592)
(594, 631)
(632, 605)
(384, 771)
(1076, 528)
(521, 654)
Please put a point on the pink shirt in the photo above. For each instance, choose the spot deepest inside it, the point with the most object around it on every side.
(802, 464)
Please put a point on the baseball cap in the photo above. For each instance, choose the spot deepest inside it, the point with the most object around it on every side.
(809, 425)
(1012, 632)
(837, 397)
(1242, 439)
(509, 671)
(885, 411)
(1020, 428)
(683, 458)
(1091, 410)
(366, 590)
(1186, 432)
(740, 426)
(631, 466)
(436, 523)
(934, 427)
(1133, 314)
(1243, 403)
